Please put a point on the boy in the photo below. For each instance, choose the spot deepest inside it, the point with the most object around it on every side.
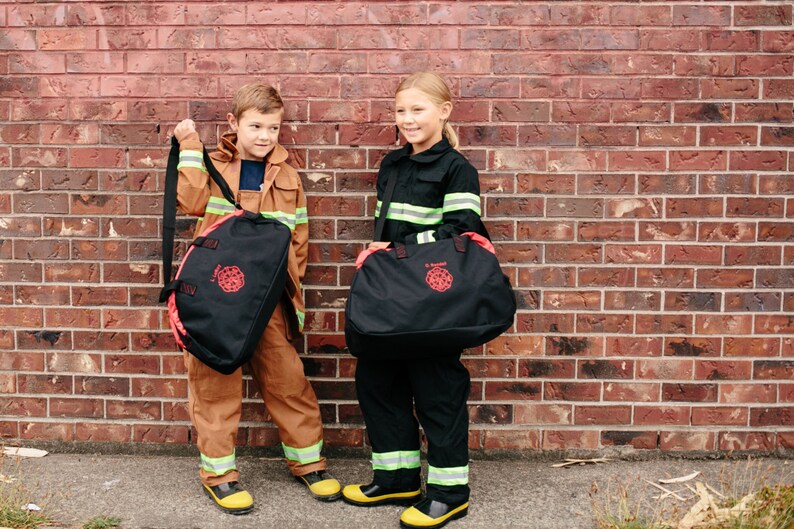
(254, 165)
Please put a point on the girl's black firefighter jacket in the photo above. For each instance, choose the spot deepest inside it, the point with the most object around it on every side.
(437, 195)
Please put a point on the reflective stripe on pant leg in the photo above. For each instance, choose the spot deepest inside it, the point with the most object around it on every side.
(447, 477)
(395, 460)
(218, 465)
(303, 456)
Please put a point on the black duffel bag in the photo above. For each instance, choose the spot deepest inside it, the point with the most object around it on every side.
(421, 300)
(230, 280)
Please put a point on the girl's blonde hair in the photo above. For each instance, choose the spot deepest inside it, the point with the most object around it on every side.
(433, 86)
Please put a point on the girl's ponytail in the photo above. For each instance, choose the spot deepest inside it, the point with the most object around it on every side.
(451, 135)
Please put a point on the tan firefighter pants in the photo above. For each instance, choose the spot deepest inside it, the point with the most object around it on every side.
(215, 402)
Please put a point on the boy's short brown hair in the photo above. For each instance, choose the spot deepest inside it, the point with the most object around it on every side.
(259, 96)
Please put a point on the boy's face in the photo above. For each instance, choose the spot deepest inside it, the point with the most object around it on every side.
(257, 133)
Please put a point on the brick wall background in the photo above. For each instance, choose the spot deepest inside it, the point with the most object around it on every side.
(636, 163)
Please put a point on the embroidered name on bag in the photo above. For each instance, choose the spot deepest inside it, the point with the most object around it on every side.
(439, 279)
(229, 278)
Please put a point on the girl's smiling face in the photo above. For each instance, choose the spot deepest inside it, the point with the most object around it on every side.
(420, 120)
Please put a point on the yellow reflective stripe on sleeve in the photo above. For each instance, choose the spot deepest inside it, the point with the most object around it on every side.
(310, 454)
(459, 201)
(218, 206)
(218, 465)
(448, 476)
(288, 219)
(301, 216)
(301, 318)
(194, 159)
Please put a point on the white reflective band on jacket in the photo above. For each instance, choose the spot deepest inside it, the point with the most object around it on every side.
(395, 460)
(218, 465)
(448, 476)
(310, 454)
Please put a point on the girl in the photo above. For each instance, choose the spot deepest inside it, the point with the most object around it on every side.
(437, 195)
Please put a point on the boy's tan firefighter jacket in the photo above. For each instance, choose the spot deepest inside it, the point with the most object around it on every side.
(281, 198)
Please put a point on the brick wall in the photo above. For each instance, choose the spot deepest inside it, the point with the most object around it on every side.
(636, 162)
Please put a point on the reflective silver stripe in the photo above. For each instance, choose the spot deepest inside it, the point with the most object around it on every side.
(425, 237)
(448, 476)
(395, 460)
(410, 213)
(218, 465)
(459, 201)
(188, 158)
(218, 206)
(301, 216)
(310, 454)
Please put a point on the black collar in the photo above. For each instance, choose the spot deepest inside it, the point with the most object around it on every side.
(430, 155)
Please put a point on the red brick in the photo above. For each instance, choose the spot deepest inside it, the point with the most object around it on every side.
(667, 231)
(637, 161)
(725, 324)
(612, 277)
(664, 369)
(572, 391)
(65, 407)
(750, 15)
(632, 392)
(755, 112)
(511, 440)
(688, 440)
(52, 431)
(731, 40)
(746, 441)
(632, 300)
(672, 136)
(602, 415)
(673, 39)
(745, 393)
(605, 184)
(751, 346)
(637, 440)
(725, 278)
(102, 432)
(633, 254)
(567, 439)
(778, 89)
(690, 15)
(565, 15)
(777, 40)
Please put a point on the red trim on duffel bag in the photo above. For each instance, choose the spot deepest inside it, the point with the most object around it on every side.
(482, 241)
(173, 320)
(366, 253)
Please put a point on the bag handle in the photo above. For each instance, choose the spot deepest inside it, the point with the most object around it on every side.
(169, 208)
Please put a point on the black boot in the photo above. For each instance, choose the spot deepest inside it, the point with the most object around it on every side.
(372, 494)
(430, 514)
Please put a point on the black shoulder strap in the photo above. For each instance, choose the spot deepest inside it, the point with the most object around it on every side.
(391, 181)
(169, 208)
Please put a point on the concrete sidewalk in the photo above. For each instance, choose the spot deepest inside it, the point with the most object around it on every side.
(163, 492)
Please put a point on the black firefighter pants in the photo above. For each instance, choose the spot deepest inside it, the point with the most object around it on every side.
(387, 392)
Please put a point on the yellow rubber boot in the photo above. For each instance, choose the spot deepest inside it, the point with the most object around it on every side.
(231, 497)
(372, 495)
(431, 514)
(322, 486)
